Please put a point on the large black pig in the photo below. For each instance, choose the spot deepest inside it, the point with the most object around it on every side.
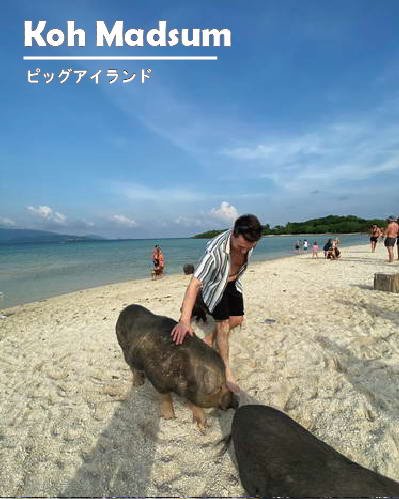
(192, 370)
(278, 457)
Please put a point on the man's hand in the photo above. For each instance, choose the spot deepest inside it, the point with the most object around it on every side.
(180, 331)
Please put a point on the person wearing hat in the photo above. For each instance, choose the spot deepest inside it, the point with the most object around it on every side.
(391, 236)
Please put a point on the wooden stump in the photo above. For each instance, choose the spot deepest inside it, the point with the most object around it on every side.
(387, 282)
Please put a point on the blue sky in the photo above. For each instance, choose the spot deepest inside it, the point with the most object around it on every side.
(297, 119)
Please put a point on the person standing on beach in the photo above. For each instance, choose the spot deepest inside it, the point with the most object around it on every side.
(326, 247)
(305, 245)
(315, 250)
(374, 235)
(218, 274)
(391, 236)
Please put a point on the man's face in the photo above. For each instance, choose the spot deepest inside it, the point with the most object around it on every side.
(241, 245)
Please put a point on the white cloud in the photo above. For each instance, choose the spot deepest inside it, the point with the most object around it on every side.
(341, 152)
(6, 221)
(123, 220)
(226, 212)
(49, 214)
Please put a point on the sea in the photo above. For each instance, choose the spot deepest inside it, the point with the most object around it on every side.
(37, 271)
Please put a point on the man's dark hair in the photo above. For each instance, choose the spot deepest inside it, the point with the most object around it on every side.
(248, 227)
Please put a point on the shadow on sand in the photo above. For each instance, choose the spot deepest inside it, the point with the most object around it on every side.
(371, 377)
(362, 286)
(120, 463)
(369, 261)
(374, 310)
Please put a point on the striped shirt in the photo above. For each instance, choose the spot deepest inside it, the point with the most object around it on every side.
(213, 269)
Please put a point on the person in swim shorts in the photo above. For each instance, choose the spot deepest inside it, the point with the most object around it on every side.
(391, 236)
(375, 233)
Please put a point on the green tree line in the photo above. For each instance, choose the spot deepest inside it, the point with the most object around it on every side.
(331, 224)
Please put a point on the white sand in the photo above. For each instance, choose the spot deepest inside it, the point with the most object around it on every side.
(71, 423)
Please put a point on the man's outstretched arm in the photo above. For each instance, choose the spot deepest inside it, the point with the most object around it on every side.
(183, 327)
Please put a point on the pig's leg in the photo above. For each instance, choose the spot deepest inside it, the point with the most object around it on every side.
(166, 406)
(198, 416)
(138, 376)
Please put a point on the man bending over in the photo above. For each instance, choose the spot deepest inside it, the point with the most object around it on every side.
(218, 274)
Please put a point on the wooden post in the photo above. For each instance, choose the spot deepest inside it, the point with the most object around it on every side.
(387, 282)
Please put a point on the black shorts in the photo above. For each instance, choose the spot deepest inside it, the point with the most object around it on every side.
(231, 304)
(389, 242)
(373, 239)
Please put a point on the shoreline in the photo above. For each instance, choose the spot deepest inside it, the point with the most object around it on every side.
(3, 310)
(73, 425)
(322, 235)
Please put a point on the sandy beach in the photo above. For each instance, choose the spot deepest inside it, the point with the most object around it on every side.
(73, 425)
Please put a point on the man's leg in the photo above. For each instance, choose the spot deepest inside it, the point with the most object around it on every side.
(210, 340)
(390, 253)
(222, 341)
(228, 314)
(234, 321)
(219, 314)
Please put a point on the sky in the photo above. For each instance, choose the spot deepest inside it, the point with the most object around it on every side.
(297, 119)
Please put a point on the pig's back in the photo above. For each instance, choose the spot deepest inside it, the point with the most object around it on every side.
(276, 456)
(139, 332)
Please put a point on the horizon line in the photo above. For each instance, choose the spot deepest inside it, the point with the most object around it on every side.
(120, 58)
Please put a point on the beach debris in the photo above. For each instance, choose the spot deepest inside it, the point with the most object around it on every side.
(268, 321)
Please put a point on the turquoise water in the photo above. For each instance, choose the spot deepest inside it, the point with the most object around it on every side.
(32, 272)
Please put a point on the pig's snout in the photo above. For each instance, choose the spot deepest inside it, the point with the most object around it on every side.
(229, 401)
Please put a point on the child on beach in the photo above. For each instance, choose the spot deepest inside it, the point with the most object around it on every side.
(315, 250)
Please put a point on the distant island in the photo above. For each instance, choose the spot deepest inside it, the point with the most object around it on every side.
(14, 236)
(332, 224)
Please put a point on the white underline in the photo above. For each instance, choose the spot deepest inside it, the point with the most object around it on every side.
(120, 58)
